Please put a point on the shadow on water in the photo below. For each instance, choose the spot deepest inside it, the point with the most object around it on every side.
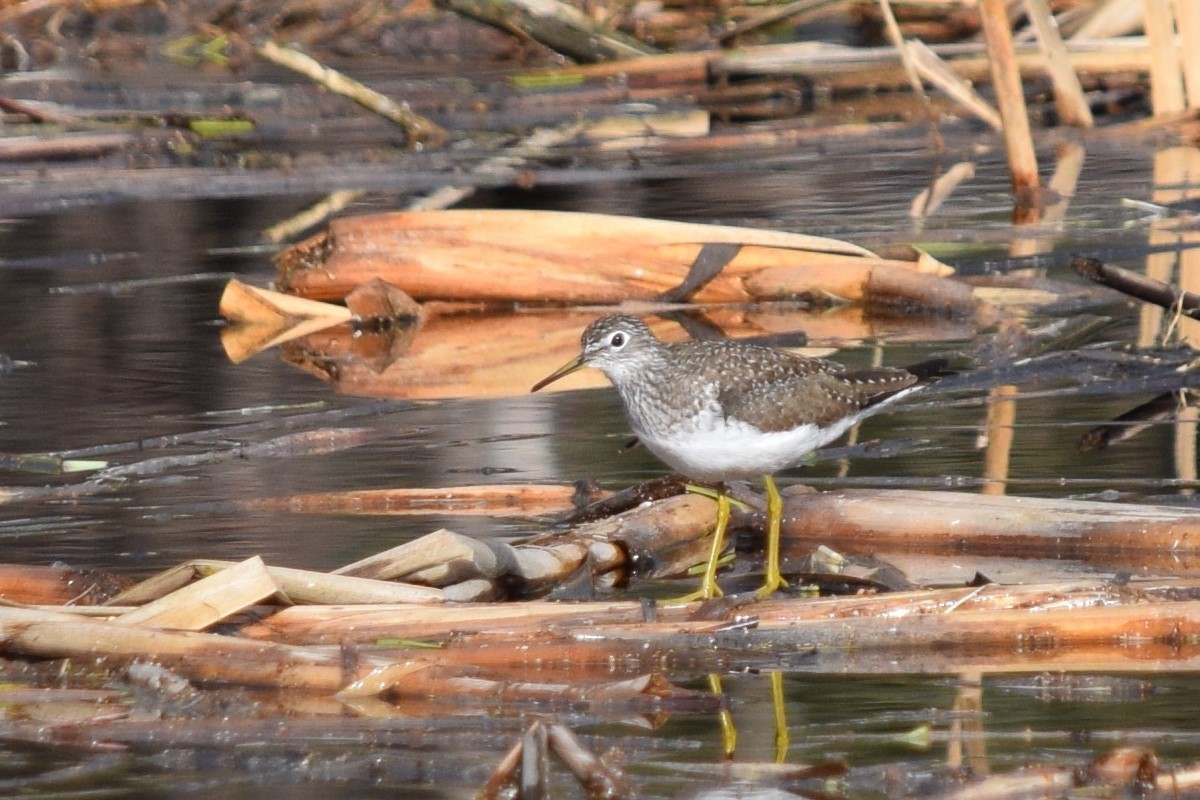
(97, 366)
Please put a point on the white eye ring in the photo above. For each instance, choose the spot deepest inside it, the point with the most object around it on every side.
(617, 340)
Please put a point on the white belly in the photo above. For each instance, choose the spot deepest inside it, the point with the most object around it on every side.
(738, 451)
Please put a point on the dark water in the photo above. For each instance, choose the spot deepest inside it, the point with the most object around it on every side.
(108, 362)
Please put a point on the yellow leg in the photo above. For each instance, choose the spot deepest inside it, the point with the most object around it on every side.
(774, 580)
(782, 740)
(708, 583)
(728, 729)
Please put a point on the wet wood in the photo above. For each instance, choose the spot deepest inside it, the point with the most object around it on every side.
(368, 623)
(507, 256)
(1135, 636)
(654, 533)
(318, 624)
(506, 500)
(57, 585)
(291, 445)
(1085, 625)
(287, 417)
(941, 522)
(1135, 422)
(1057, 627)
(200, 657)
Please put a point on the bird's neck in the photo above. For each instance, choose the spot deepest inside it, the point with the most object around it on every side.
(648, 392)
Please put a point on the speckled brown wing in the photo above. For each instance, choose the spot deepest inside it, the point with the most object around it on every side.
(789, 390)
(775, 390)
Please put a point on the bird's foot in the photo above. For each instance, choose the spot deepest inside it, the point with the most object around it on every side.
(772, 584)
(708, 590)
(708, 583)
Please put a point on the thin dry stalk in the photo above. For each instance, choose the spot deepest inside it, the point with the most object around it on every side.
(264, 319)
(445, 555)
(156, 586)
(1109, 19)
(1166, 79)
(906, 57)
(419, 129)
(561, 27)
(1006, 80)
(531, 147)
(998, 432)
(207, 601)
(929, 200)
(241, 302)
(323, 588)
(796, 11)
(312, 216)
(846, 68)
(600, 779)
(79, 145)
(1187, 22)
(1069, 100)
(943, 76)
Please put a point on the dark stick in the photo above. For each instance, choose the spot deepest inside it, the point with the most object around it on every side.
(1139, 286)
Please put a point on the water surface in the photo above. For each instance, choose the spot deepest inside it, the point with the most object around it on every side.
(100, 361)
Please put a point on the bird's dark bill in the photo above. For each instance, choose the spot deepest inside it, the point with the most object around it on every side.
(565, 369)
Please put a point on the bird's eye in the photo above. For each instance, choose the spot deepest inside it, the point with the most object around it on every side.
(617, 340)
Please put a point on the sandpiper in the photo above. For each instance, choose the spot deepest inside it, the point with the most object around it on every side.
(726, 410)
